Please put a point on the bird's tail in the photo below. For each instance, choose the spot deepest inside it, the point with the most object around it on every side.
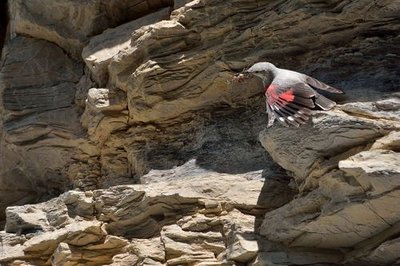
(323, 102)
(322, 86)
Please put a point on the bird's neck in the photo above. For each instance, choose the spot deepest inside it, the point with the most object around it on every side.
(268, 77)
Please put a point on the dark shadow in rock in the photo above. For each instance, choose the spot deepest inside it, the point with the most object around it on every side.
(231, 143)
(3, 23)
(224, 140)
(276, 191)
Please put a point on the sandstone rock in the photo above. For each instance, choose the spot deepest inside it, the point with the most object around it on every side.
(100, 102)
(196, 220)
(163, 112)
(301, 257)
(331, 136)
(77, 234)
(18, 221)
(177, 198)
(124, 259)
(104, 47)
(62, 255)
(149, 248)
(192, 247)
(11, 246)
(376, 171)
(243, 248)
(386, 253)
(79, 203)
(95, 254)
(389, 142)
(70, 24)
(351, 203)
(38, 119)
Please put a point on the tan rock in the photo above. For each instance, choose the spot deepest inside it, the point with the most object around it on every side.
(327, 219)
(102, 48)
(302, 150)
(70, 23)
(173, 103)
(389, 142)
(37, 218)
(62, 255)
(244, 249)
(79, 203)
(124, 259)
(300, 257)
(78, 234)
(99, 103)
(38, 119)
(148, 261)
(385, 253)
(149, 248)
(92, 254)
(10, 247)
(18, 221)
(377, 171)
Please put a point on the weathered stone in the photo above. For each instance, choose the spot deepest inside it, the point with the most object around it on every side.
(77, 234)
(62, 255)
(11, 246)
(301, 257)
(38, 119)
(163, 112)
(244, 249)
(99, 103)
(104, 47)
(302, 150)
(385, 253)
(70, 23)
(149, 248)
(19, 221)
(352, 202)
(79, 203)
(124, 259)
(389, 142)
(377, 171)
(37, 218)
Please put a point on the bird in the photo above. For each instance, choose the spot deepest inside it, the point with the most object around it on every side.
(290, 95)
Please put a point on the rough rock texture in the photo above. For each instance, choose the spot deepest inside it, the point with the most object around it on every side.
(345, 211)
(203, 219)
(101, 93)
(70, 24)
(349, 188)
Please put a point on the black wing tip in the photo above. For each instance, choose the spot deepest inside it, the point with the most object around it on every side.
(336, 90)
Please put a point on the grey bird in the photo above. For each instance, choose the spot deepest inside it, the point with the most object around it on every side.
(290, 95)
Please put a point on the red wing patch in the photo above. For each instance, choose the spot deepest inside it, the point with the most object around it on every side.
(290, 105)
(287, 96)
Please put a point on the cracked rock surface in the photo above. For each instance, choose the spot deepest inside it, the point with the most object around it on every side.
(123, 141)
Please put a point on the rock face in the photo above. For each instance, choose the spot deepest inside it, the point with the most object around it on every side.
(96, 96)
(207, 218)
(349, 189)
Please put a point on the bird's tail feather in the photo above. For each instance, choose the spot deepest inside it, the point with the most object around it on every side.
(323, 102)
(322, 86)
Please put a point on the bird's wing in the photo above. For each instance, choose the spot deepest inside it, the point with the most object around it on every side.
(291, 105)
(320, 85)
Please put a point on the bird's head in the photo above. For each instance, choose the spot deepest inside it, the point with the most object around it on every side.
(263, 70)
